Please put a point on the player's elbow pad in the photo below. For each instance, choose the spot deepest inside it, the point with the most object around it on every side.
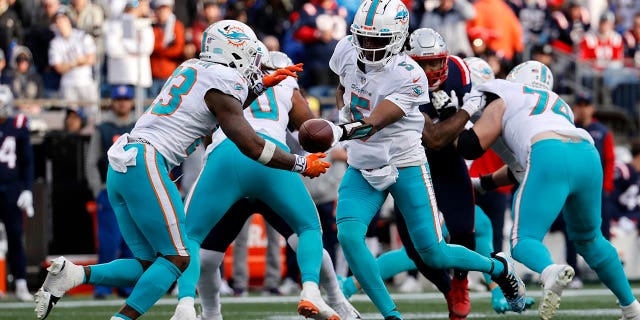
(469, 145)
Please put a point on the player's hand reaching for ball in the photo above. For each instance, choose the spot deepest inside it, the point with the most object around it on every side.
(279, 75)
(315, 165)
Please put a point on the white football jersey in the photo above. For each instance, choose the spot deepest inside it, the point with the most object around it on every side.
(400, 81)
(268, 114)
(178, 119)
(530, 111)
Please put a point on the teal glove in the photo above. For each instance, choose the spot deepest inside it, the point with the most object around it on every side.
(500, 305)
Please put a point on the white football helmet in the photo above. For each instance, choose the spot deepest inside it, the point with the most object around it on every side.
(379, 30)
(481, 71)
(6, 102)
(428, 48)
(233, 44)
(532, 73)
(278, 60)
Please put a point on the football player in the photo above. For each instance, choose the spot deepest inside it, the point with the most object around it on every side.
(380, 91)
(200, 95)
(234, 176)
(563, 173)
(16, 181)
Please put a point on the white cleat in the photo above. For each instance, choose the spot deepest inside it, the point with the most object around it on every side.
(63, 275)
(346, 311)
(213, 317)
(312, 306)
(555, 278)
(184, 312)
(23, 294)
(631, 312)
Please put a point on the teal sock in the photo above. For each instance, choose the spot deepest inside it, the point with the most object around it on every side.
(120, 315)
(309, 255)
(393, 262)
(498, 268)
(189, 279)
(351, 237)
(603, 258)
(153, 284)
(349, 287)
(484, 237)
(532, 253)
(117, 273)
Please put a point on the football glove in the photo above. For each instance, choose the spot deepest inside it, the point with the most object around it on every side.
(473, 102)
(445, 105)
(277, 76)
(25, 202)
(315, 166)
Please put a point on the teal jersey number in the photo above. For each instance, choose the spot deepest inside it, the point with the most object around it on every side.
(408, 67)
(559, 106)
(357, 103)
(176, 92)
(270, 111)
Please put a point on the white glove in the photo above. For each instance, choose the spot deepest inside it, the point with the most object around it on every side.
(445, 104)
(473, 102)
(344, 115)
(337, 132)
(25, 202)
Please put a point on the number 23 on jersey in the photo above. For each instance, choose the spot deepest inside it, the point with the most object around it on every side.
(179, 84)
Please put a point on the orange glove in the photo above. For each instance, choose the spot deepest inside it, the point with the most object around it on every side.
(315, 166)
(276, 77)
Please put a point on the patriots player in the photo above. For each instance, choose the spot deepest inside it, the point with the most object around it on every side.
(200, 95)
(233, 176)
(380, 91)
(16, 181)
(562, 174)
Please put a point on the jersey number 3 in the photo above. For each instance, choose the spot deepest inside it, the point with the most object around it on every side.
(559, 106)
(8, 152)
(181, 82)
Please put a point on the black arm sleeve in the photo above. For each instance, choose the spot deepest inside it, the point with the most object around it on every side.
(469, 145)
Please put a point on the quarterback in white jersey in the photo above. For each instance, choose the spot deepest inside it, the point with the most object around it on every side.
(200, 95)
(563, 174)
(380, 91)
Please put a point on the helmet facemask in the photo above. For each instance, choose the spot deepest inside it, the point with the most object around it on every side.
(436, 69)
(376, 50)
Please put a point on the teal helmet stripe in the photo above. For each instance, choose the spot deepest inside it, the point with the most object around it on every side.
(543, 74)
(204, 40)
(371, 13)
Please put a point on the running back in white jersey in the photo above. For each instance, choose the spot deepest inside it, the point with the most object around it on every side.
(530, 111)
(268, 114)
(401, 81)
(178, 119)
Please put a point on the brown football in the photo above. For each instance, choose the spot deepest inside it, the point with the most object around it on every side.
(315, 135)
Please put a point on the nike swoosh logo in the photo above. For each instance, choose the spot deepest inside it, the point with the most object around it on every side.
(416, 79)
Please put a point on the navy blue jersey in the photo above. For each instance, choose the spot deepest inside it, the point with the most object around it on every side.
(627, 191)
(16, 154)
(458, 80)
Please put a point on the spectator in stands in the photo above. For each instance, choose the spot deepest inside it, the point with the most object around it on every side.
(320, 24)
(535, 17)
(72, 53)
(450, 20)
(75, 120)
(584, 110)
(24, 80)
(38, 41)
(3, 65)
(130, 41)
(507, 42)
(603, 47)
(120, 120)
(169, 44)
(631, 39)
(89, 17)
(269, 17)
(11, 32)
(210, 13)
(186, 11)
(16, 182)
(568, 26)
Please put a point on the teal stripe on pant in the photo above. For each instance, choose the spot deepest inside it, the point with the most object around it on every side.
(565, 175)
(413, 193)
(230, 175)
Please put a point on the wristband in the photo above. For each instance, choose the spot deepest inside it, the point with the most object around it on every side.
(487, 183)
(267, 152)
(300, 165)
(511, 176)
(258, 89)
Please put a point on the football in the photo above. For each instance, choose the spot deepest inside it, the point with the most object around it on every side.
(316, 135)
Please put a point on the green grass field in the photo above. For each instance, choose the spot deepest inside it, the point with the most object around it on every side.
(593, 303)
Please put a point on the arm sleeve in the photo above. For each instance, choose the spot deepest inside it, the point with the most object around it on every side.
(608, 162)
(91, 168)
(26, 159)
